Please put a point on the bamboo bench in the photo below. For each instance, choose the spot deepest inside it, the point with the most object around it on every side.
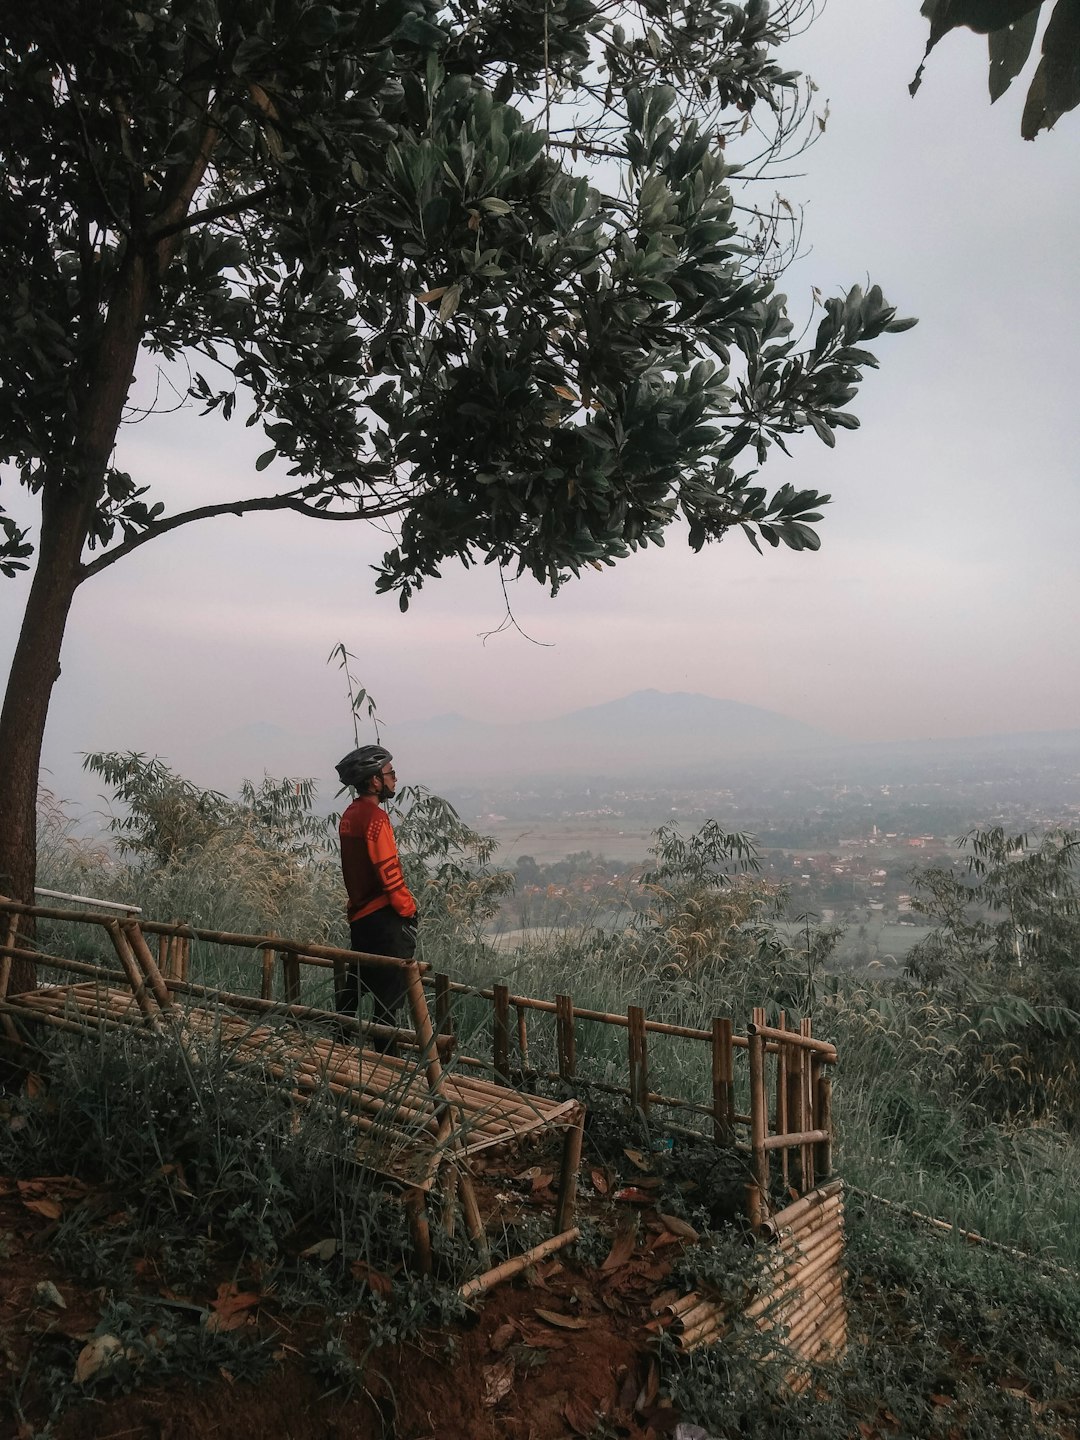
(419, 1124)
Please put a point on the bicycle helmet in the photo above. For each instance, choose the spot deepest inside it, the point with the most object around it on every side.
(360, 765)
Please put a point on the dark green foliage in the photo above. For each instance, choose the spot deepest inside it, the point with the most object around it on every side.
(343, 219)
(1011, 26)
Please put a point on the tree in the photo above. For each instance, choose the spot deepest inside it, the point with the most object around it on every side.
(1011, 26)
(1002, 955)
(362, 226)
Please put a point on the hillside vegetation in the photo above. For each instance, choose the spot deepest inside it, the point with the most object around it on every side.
(955, 1097)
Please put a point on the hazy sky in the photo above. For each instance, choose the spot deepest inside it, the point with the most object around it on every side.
(944, 599)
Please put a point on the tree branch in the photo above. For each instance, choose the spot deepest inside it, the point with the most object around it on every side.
(214, 212)
(296, 500)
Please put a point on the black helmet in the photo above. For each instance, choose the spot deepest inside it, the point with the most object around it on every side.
(360, 765)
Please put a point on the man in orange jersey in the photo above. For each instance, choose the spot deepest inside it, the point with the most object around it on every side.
(382, 911)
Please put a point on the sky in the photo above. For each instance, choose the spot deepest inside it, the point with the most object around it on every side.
(944, 599)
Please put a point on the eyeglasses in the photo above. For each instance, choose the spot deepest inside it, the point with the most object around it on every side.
(390, 773)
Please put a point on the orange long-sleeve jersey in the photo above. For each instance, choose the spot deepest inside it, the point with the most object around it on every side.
(370, 864)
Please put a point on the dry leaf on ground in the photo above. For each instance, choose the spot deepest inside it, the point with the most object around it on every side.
(564, 1322)
(375, 1280)
(497, 1381)
(230, 1309)
(622, 1247)
(580, 1415)
(100, 1354)
(678, 1226)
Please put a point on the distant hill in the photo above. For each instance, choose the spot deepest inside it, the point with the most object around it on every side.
(648, 734)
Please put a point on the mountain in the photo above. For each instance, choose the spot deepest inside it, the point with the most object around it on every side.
(650, 731)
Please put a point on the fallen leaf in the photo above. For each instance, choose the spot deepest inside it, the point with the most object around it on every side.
(46, 1293)
(497, 1381)
(375, 1280)
(650, 1387)
(622, 1247)
(230, 1309)
(632, 1195)
(321, 1250)
(941, 1399)
(50, 1209)
(564, 1322)
(503, 1337)
(580, 1415)
(682, 1228)
(599, 1182)
(541, 1180)
(638, 1159)
(100, 1355)
(33, 1085)
(665, 1237)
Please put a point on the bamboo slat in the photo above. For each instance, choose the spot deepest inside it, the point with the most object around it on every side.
(518, 1263)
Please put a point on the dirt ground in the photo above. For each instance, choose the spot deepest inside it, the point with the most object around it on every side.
(560, 1352)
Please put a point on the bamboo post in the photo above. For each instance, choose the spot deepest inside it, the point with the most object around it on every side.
(163, 956)
(11, 934)
(568, 1173)
(522, 1037)
(185, 957)
(806, 1029)
(266, 988)
(723, 1080)
(290, 977)
(501, 1033)
(340, 976)
(565, 1037)
(781, 1126)
(421, 1233)
(172, 952)
(795, 1109)
(474, 1221)
(758, 1188)
(824, 1122)
(444, 1020)
(639, 1059)
(135, 978)
(145, 959)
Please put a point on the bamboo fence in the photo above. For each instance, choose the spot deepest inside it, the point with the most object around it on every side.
(780, 1073)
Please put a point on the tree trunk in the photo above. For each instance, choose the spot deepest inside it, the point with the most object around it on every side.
(69, 497)
(34, 671)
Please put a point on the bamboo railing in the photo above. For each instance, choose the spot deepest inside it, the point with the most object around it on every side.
(786, 1127)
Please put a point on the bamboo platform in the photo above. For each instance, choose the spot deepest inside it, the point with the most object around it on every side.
(417, 1124)
(421, 1118)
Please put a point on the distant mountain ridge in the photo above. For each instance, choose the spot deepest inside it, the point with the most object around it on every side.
(647, 731)
(647, 735)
